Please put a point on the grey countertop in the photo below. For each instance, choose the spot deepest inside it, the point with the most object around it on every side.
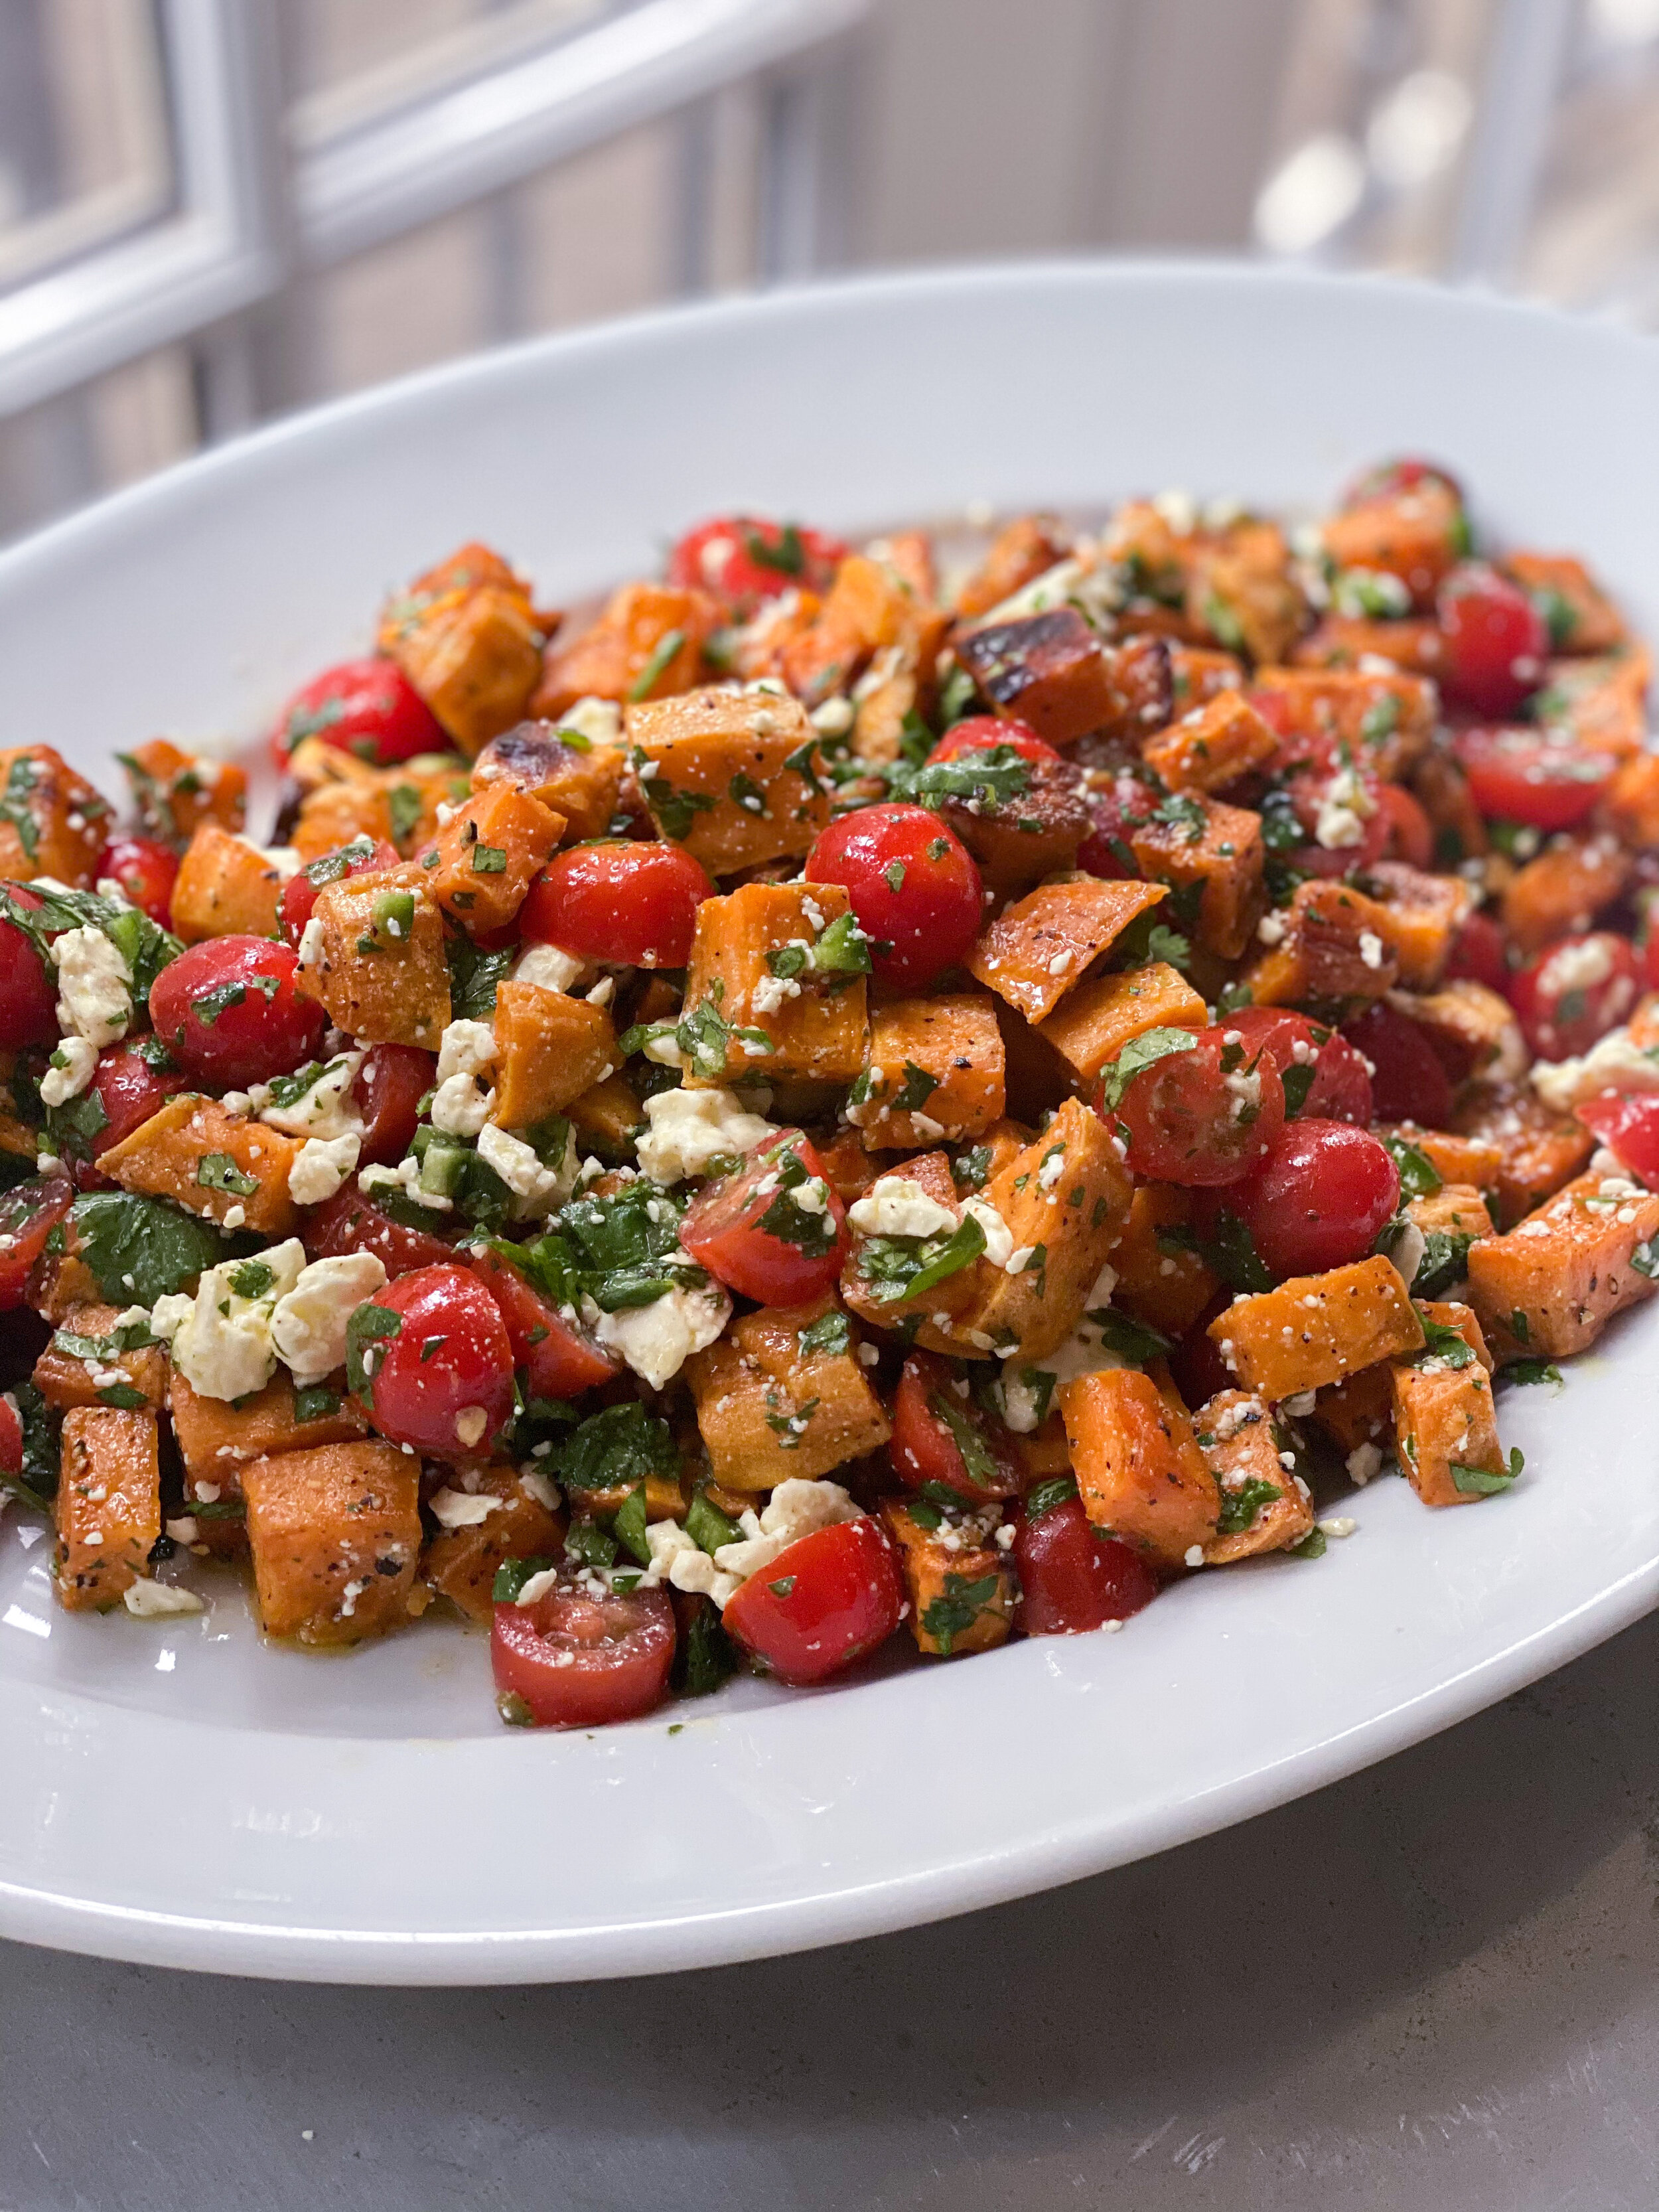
(1435, 1985)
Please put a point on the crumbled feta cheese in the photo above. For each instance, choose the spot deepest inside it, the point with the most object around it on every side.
(833, 719)
(460, 1108)
(1371, 948)
(999, 1237)
(1194, 1555)
(95, 986)
(1613, 1063)
(470, 1423)
(1576, 967)
(1271, 927)
(894, 1206)
(466, 1048)
(1338, 1524)
(222, 1344)
(796, 1509)
(546, 1579)
(320, 1166)
(773, 991)
(548, 967)
(311, 940)
(309, 1324)
(537, 1188)
(149, 1601)
(325, 1108)
(461, 1508)
(71, 1069)
(598, 720)
(675, 1558)
(1363, 1464)
(656, 1341)
(1245, 1088)
(689, 1128)
(405, 1177)
(1025, 1394)
(1344, 811)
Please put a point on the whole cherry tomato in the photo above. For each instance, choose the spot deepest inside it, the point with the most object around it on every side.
(1203, 1114)
(145, 871)
(28, 990)
(1319, 1197)
(299, 891)
(940, 1437)
(744, 560)
(558, 1357)
(1576, 991)
(350, 1221)
(578, 1659)
(775, 1230)
(634, 903)
(827, 1601)
(437, 1371)
(1324, 1077)
(1408, 1082)
(981, 733)
(1524, 774)
(29, 1212)
(228, 1011)
(1496, 641)
(367, 707)
(1072, 1576)
(915, 889)
(390, 1086)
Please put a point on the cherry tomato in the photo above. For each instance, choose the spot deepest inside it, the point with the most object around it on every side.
(29, 1212)
(228, 1011)
(145, 871)
(28, 991)
(915, 889)
(1319, 1198)
(299, 891)
(559, 1358)
(1576, 991)
(752, 1232)
(1410, 832)
(1408, 1083)
(1324, 1077)
(1496, 641)
(1203, 1115)
(1197, 1366)
(979, 733)
(578, 1661)
(350, 1222)
(1627, 1123)
(825, 1601)
(390, 1086)
(369, 707)
(11, 1437)
(130, 1088)
(940, 1437)
(1072, 1577)
(1523, 774)
(632, 903)
(443, 1381)
(1342, 803)
(743, 560)
(1479, 955)
(1105, 850)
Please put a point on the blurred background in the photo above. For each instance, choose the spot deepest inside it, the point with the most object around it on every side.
(213, 210)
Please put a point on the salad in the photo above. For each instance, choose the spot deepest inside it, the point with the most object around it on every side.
(843, 1095)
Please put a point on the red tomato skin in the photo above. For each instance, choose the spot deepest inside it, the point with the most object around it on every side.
(348, 1222)
(922, 1450)
(416, 1401)
(605, 1680)
(1479, 955)
(1408, 1083)
(1562, 1018)
(979, 733)
(1309, 789)
(921, 920)
(29, 996)
(715, 557)
(1496, 641)
(1072, 1577)
(129, 1091)
(390, 1086)
(145, 871)
(1182, 1120)
(1105, 850)
(559, 1361)
(846, 1597)
(1627, 1123)
(11, 1438)
(1404, 474)
(722, 1231)
(369, 707)
(29, 1212)
(270, 1031)
(628, 901)
(301, 891)
(1410, 834)
(1320, 1198)
(1524, 774)
(1341, 1087)
(1651, 958)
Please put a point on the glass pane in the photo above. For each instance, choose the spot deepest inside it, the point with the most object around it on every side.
(84, 151)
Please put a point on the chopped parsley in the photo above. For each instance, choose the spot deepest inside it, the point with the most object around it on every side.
(1480, 1482)
(959, 1605)
(1240, 1508)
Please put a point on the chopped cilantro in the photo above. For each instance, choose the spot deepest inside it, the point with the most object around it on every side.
(1042, 1496)
(1139, 1054)
(1479, 1482)
(621, 1444)
(370, 1325)
(953, 1613)
(1240, 1507)
(830, 1332)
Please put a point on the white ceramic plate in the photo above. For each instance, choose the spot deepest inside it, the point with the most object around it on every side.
(179, 1794)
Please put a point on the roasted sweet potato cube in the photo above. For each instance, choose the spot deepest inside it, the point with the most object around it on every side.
(1383, 721)
(1049, 671)
(1198, 674)
(1538, 1149)
(1563, 891)
(1420, 916)
(1450, 1219)
(1315, 1329)
(1210, 853)
(783, 1393)
(1019, 553)
(1329, 947)
(473, 651)
(734, 776)
(487, 854)
(1265, 1505)
(1096, 1022)
(375, 958)
(1446, 1432)
(1632, 802)
(1017, 840)
(1452, 1312)
(549, 1050)
(1443, 790)
(1416, 531)
(1599, 703)
(1242, 589)
(1412, 642)
(55, 823)
(1358, 1414)
(1040, 949)
(224, 1165)
(926, 1318)
(607, 1118)
(935, 1072)
(1455, 1159)
(335, 1534)
(884, 715)
(758, 1002)
(1212, 745)
(1140, 1472)
(216, 1441)
(175, 791)
(108, 1505)
(566, 771)
(647, 644)
(399, 806)
(1160, 1279)
(1473, 1031)
(225, 887)
(962, 1596)
(1582, 617)
(92, 1362)
(460, 1562)
(1551, 1284)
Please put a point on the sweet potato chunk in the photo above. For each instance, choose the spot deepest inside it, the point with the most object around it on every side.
(55, 823)
(1199, 674)
(461, 1563)
(734, 776)
(1019, 553)
(216, 1441)
(399, 805)
(487, 854)
(231, 1169)
(1265, 1505)
(1040, 949)
(565, 770)
(174, 792)
(935, 1071)
(1329, 947)
(1582, 617)
(1358, 1414)
(1212, 745)
(550, 1050)
(647, 644)
(607, 1118)
(1551, 1285)
(1314, 1329)
(1160, 1280)
(782, 1393)
(1600, 703)
(1017, 840)
(1420, 915)
(378, 965)
(92, 1362)
(1140, 1472)
(467, 638)
(926, 1317)
(335, 1534)
(1450, 1219)
(108, 1505)
(1537, 1149)
(764, 993)
(1412, 642)
(225, 887)
(1473, 1031)
(1446, 1432)
(1095, 1023)
(1381, 721)
(961, 1597)
(1049, 671)
(1455, 1159)
(1415, 532)
(1563, 890)
(1211, 855)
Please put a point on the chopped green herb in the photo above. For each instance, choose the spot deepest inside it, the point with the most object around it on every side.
(218, 1171)
(1419, 1176)
(1240, 1507)
(369, 1326)
(1042, 1496)
(707, 1527)
(621, 1444)
(1139, 1054)
(1479, 1482)
(251, 1280)
(1528, 1370)
(403, 806)
(954, 1612)
(512, 1575)
(661, 659)
(830, 1332)
(629, 1527)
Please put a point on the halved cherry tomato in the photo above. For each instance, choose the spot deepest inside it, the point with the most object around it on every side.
(578, 1660)
(559, 1358)
(826, 1601)
(1072, 1576)
(1408, 1083)
(1410, 833)
(915, 889)
(443, 1380)
(979, 732)
(367, 707)
(939, 1436)
(752, 1230)
(299, 891)
(28, 991)
(11, 1437)
(1202, 1115)
(1479, 954)
(145, 871)
(744, 560)
(1115, 811)
(1319, 1198)
(129, 1089)
(1345, 805)
(1576, 991)
(1519, 774)
(228, 1011)
(390, 1086)
(350, 1222)
(1324, 1077)
(29, 1212)
(631, 902)
(1627, 1123)
(1496, 641)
